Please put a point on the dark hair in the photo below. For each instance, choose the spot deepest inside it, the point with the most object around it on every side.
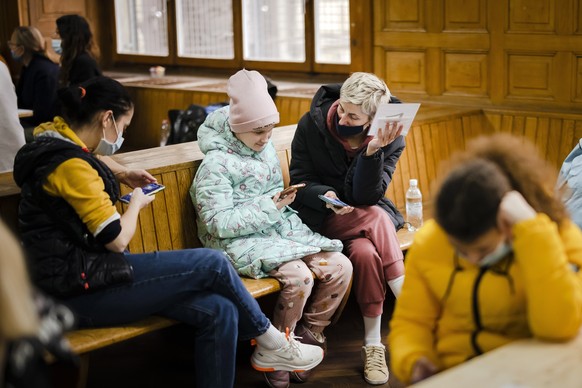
(468, 199)
(76, 38)
(515, 158)
(80, 103)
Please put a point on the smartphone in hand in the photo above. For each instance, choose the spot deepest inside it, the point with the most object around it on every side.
(149, 189)
(291, 189)
(333, 201)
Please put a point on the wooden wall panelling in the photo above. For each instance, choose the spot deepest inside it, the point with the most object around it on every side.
(168, 205)
(577, 77)
(400, 15)
(532, 16)
(160, 211)
(44, 13)
(466, 73)
(515, 53)
(428, 144)
(291, 108)
(554, 135)
(173, 211)
(187, 212)
(9, 20)
(531, 76)
(465, 15)
(284, 160)
(406, 70)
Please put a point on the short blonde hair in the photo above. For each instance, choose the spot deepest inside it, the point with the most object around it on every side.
(30, 38)
(366, 90)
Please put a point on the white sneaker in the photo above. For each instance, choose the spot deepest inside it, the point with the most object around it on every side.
(293, 357)
(375, 368)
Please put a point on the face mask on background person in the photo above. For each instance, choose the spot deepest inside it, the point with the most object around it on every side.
(17, 57)
(107, 148)
(56, 45)
(346, 130)
(502, 250)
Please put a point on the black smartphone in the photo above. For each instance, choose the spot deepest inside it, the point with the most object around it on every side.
(333, 201)
(148, 189)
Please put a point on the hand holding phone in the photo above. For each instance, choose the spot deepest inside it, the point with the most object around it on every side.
(333, 201)
(149, 189)
(291, 189)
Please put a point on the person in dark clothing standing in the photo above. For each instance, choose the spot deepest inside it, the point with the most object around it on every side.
(79, 52)
(333, 154)
(38, 82)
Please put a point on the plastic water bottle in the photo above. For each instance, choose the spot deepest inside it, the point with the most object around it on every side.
(164, 132)
(413, 206)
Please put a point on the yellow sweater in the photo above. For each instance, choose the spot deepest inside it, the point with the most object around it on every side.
(534, 292)
(78, 183)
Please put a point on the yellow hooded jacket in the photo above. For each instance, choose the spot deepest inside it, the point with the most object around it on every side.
(451, 310)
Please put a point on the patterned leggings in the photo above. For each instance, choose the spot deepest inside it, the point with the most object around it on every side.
(333, 271)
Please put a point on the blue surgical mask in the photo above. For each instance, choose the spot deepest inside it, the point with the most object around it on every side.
(107, 148)
(16, 57)
(347, 130)
(502, 250)
(56, 45)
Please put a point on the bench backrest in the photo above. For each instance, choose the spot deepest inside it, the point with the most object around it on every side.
(438, 131)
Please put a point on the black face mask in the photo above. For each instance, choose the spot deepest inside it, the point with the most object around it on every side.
(346, 130)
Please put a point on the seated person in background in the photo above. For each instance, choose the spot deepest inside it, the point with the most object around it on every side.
(11, 132)
(236, 194)
(570, 183)
(78, 50)
(499, 263)
(333, 154)
(38, 82)
(76, 243)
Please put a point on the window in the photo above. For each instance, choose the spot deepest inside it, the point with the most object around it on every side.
(142, 27)
(273, 30)
(293, 35)
(205, 29)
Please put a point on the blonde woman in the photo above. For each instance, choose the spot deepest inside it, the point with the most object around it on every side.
(38, 82)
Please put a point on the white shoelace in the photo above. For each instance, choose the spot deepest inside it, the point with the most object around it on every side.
(375, 358)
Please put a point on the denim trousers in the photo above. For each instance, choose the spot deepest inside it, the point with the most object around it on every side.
(198, 287)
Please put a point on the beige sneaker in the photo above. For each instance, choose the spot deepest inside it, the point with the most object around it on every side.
(375, 368)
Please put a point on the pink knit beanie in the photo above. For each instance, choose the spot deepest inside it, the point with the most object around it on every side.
(251, 106)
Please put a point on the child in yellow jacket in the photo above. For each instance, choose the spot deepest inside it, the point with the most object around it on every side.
(499, 263)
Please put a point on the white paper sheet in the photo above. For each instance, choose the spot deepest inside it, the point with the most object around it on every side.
(403, 113)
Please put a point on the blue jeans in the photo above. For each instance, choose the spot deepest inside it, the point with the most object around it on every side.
(198, 287)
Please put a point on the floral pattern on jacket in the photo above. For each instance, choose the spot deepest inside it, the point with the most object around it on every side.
(232, 194)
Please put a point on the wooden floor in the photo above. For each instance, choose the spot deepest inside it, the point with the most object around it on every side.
(164, 359)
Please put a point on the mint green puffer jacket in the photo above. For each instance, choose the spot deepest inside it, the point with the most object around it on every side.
(232, 194)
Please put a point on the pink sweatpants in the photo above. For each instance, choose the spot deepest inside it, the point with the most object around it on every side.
(333, 271)
(370, 241)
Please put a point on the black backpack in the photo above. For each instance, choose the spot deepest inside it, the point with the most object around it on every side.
(184, 124)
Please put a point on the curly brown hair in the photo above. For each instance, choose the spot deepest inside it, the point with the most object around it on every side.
(514, 157)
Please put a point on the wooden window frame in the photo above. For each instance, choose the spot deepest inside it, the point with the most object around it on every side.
(360, 42)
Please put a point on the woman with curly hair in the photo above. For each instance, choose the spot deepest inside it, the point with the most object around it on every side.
(79, 52)
(499, 263)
